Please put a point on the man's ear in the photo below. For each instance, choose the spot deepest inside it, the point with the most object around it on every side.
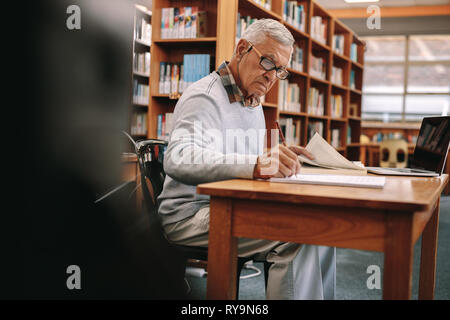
(242, 47)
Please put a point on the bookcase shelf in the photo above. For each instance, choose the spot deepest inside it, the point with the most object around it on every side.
(295, 31)
(143, 43)
(269, 105)
(186, 41)
(139, 106)
(249, 7)
(295, 114)
(341, 52)
(297, 73)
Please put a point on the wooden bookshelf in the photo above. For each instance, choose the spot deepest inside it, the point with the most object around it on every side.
(220, 41)
(138, 128)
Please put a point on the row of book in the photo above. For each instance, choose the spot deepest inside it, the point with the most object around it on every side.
(296, 62)
(294, 14)
(288, 96)
(354, 52)
(337, 106)
(289, 129)
(319, 29)
(395, 135)
(313, 127)
(378, 137)
(143, 31)
(184, 22)
(318, 67)
(176, 77)
(139, 123)
(316, 102)
(338, 43)
(267, 4)
(164, 126)
(336, 138)
(140, 93)
(141, 63)
(336, 75)
(242, 23)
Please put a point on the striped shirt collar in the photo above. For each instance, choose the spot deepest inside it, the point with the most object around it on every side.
(234, 93)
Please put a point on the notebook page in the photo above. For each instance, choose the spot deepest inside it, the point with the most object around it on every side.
(334, 180)
(326, 156)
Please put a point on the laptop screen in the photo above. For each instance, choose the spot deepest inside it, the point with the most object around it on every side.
(432, 144)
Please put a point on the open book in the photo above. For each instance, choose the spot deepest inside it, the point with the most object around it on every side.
(327, 160)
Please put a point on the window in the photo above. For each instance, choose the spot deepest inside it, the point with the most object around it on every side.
(406, 77)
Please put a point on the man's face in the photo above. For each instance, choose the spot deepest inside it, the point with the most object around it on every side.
(254, 79)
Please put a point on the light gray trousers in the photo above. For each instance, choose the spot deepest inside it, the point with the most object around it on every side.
(299, 271)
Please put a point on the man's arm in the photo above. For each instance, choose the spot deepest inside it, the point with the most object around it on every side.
(196, 149)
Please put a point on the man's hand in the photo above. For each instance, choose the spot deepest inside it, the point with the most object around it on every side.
(280, 161)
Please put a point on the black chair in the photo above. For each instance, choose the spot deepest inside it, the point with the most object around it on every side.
(150, 154)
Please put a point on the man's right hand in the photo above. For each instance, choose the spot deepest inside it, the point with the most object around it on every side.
(279, 162)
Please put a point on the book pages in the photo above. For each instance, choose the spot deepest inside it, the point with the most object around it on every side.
(326, 156)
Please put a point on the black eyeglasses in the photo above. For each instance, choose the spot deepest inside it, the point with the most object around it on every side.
(268, 64)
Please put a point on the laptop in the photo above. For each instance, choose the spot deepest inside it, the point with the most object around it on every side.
(430, 152)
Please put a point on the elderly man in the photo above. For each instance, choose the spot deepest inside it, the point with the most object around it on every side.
(218, 134)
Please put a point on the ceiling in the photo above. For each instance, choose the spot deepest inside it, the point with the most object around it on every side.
(341, 4)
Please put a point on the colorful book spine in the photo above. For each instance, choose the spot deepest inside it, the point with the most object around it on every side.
(352, 79)
(336, 75)
(164, 126)
(354, 52)
(316, 105)
(319, 29)
(338, 43)
(296, 62)
(139, 124)
(336, 138)
(318, 67)
(183, 22)
(336, 106)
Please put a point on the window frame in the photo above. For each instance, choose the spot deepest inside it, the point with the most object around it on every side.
(407, 63)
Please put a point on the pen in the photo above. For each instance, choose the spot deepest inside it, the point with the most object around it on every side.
(281, 134)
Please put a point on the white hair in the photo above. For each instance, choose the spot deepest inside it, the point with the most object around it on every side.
(261, 28)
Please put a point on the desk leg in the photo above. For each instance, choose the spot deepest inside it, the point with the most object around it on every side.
(222, 252)
(362, 155)
(428, 257)
(398, 256)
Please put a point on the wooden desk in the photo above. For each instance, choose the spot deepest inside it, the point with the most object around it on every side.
(388, 220)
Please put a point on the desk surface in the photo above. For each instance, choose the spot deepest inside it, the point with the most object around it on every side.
(399, 193)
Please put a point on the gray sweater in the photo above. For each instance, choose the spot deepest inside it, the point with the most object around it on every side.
(212, 139)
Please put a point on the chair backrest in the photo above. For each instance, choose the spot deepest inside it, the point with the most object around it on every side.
(393, 153)
(151, 158)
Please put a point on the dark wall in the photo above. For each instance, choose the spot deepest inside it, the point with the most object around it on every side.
(79, 94)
